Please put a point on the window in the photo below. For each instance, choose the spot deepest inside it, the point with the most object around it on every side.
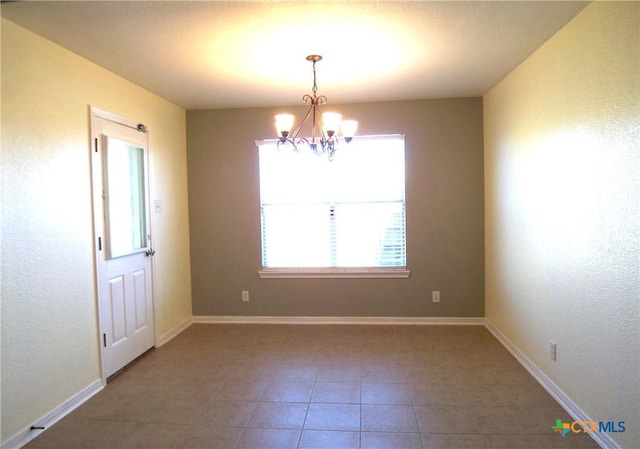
(340, 218)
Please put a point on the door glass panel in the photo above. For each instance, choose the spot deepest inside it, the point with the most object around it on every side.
(125, 198)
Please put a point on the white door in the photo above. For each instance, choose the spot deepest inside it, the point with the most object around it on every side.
(123, 239)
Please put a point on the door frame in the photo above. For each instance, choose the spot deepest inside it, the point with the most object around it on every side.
(99, 224)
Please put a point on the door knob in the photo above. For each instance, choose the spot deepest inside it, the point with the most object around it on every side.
(150, 252)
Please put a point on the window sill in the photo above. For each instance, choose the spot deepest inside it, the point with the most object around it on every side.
(333, 273)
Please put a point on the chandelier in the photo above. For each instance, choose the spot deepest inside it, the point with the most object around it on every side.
(326, 124)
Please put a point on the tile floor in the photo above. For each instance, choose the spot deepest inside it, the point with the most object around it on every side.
(319, 386)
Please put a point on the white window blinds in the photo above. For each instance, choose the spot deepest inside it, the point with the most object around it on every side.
(349, 212)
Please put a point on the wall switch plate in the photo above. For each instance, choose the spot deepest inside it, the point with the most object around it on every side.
(435, 296)
(552, 350)
(245, 295)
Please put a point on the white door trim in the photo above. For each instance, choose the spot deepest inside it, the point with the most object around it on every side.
(98, 225)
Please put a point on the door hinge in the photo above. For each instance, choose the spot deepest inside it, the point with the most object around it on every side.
(95, 144)
(99, 243)
(104, 340)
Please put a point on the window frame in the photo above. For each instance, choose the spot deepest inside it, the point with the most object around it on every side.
(390, 272)
(334, 273)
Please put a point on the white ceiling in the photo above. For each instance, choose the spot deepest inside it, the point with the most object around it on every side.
(215, 54)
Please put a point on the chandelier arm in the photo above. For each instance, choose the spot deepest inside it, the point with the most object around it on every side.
(331, 151)
(323, 137)
(285, 141)
(314, 122)
(297, 131)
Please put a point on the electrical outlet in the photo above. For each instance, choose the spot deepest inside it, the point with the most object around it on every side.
(435, 296)
(245, 295)
(552, 350)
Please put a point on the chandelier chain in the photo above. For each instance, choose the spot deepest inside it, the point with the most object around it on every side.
(315, 85)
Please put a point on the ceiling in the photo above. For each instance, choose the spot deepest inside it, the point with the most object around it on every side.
(227, 54)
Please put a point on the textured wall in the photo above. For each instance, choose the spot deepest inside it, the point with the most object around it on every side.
(562, 198)
(49, 322)
(444, 193)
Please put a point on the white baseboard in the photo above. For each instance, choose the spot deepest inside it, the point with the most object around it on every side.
(604, 440)
(173, 333)
(49, 419)
(450, 321)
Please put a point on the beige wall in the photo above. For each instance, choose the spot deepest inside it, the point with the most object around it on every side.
(49, 322)
(444, 191)
(562, 199)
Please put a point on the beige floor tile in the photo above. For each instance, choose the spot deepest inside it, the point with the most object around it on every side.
(542, 442)
(456, 441)
(504, 420)
(226, 414)
(177, 411)
(250, 371)
(240, 390)
(530, 394)
(389, 418)
(510, 375)
(463, 373)
(338, 373)
(279, 415)
(486, 395)
(336, 392)
(383, 372)
(436, 393)
(386, 393)
(341, 417)
(288, 391)
(299, 372)
(427, 372)
(541, 419)
(445, 419)
(188, 390)
(208, 437)
(387, 440)
(327, 439)
(269, 439)
(118, 407)
(146, 435)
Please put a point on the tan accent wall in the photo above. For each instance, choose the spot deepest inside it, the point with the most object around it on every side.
(444, 192)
